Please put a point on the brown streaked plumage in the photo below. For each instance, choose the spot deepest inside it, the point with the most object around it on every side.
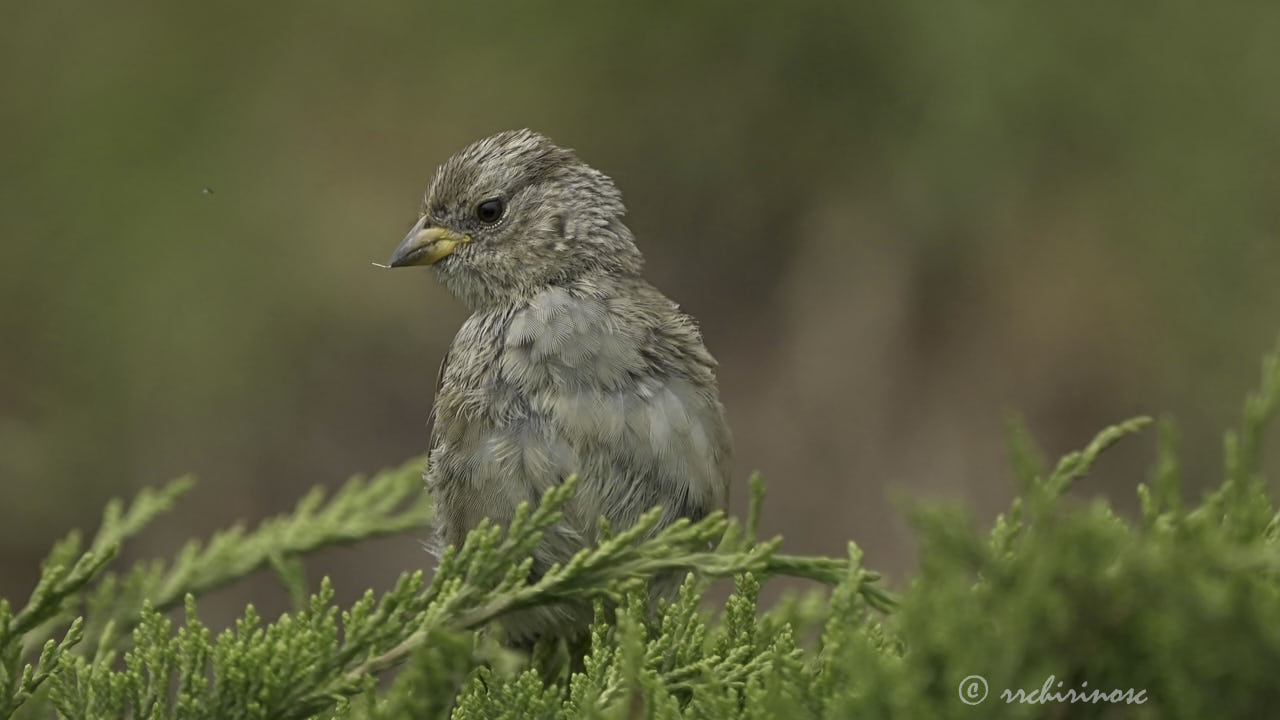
(570, 363)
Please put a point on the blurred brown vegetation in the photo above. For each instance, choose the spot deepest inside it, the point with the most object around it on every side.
(895, 221)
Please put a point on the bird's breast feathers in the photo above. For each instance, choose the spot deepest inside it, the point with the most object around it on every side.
(579, 382)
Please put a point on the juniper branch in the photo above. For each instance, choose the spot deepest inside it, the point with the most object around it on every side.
(389, 503)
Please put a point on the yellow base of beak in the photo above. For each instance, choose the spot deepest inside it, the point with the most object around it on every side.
(426, 245)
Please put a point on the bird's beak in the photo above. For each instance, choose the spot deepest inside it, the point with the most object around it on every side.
(426, 245)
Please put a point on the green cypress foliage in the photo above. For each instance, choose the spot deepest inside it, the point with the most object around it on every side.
(1061, 609)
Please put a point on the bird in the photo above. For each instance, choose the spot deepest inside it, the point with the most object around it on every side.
(571, 363)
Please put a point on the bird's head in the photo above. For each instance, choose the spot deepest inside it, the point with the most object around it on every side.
(513, 213)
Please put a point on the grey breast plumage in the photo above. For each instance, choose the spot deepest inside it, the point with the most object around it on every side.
(603, 377)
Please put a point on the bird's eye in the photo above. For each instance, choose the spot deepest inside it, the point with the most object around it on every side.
(490, 211)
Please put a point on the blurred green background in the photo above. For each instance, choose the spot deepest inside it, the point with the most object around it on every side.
(895, 221)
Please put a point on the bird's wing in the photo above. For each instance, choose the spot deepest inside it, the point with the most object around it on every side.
(629, 389)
